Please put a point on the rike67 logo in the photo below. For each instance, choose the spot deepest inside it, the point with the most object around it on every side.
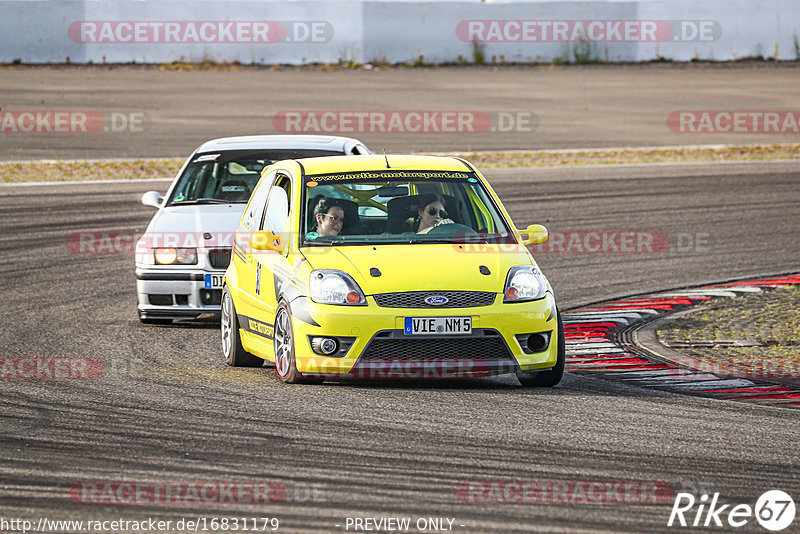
(774, 510)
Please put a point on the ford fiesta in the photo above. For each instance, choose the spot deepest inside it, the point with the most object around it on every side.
(387, 267)
(186, 248)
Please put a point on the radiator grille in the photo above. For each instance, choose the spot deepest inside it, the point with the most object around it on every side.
(389, 349)
(219, 257)
(416, 299)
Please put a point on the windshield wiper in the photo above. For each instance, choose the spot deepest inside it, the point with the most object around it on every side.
(207, 201)
(331, 243)
(416, 240)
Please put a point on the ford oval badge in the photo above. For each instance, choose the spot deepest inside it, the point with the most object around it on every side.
(436, 300)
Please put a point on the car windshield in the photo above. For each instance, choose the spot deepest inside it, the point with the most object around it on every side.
(230, 176)
(400, 207)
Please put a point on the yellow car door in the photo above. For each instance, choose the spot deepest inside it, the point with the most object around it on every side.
(245, 259)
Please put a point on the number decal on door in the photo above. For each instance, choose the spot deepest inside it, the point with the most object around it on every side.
(258, 279)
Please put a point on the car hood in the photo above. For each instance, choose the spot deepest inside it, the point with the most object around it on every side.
(190, 223)
(436, 267)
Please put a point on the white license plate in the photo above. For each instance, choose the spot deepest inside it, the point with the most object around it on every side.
(214, 281)
(415, 326)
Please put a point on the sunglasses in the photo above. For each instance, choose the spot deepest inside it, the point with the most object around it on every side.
(434, 211)
(334, 217)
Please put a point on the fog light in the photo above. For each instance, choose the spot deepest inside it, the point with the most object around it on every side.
(537, 343)
(324, 345)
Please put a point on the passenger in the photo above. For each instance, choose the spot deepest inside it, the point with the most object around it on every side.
(432, 213)
(329, 217)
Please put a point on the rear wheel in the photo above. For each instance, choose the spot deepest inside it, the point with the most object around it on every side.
(550, 378)
(285, 363)
(232, 349)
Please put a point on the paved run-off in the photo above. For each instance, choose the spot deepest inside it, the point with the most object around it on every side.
(127, 169)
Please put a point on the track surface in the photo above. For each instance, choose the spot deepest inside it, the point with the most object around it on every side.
(575, 107)
(167, 409)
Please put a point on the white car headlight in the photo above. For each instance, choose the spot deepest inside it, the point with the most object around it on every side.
(175, 256)
(329, 286)
(523, 283)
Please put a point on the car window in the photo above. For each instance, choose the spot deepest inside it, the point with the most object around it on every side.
(230, 176)
(277, 211)
(385, 206)
(255, 208)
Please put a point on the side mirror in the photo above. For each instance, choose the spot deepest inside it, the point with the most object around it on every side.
(152, 198)
(266, 240)
(534, 235)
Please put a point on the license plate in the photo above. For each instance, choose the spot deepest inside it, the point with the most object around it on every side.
(415, 326)
(214, 281)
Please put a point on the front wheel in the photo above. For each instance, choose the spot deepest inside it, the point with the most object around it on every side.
(285, 362)
(548, 379)
(232, 349)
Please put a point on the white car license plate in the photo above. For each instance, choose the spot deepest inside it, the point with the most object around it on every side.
(437, 325)
(214, 281)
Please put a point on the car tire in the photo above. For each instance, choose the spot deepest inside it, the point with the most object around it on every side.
(283, 339)
(550, 378)
(150, 320)
(232, 349)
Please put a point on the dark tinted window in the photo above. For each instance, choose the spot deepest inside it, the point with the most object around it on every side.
(230, 176)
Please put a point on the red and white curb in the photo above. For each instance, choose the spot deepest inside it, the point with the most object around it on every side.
(599, 343)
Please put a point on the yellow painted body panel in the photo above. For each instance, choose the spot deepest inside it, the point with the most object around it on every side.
(404, 268)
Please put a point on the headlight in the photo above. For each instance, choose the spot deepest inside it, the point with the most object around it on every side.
(524, 283)
(335, 287)
(175, 256)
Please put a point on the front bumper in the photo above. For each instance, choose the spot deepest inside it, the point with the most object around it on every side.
(176, 294)
(381, 350)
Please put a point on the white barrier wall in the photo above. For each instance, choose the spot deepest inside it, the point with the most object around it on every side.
(298, 32)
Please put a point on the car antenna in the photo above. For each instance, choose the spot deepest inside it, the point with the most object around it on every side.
(386, 158)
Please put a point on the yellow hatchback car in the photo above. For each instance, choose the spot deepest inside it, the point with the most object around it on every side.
(387, 267)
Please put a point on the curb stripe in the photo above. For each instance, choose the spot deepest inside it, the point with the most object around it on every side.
(598, 344)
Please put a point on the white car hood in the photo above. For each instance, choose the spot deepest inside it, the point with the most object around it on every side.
(191, 225)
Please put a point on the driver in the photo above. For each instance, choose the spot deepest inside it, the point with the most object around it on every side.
(432, 213)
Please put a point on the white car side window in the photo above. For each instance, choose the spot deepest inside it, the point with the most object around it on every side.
(255, 208)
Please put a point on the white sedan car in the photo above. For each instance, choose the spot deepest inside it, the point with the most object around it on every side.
(183, 254)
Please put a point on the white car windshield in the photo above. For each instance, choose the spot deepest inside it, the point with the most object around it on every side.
(399, 207)
(230, 176)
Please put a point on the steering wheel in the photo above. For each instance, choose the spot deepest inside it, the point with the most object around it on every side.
(452, 229)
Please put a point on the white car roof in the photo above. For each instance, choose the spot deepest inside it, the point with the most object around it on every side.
(317, 142)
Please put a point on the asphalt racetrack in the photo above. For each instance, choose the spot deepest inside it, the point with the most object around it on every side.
(526, 107)
(166, 409)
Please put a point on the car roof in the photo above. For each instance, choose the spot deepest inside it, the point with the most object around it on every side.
(246, 142)
(332, 164)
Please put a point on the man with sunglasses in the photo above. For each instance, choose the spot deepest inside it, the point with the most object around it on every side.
(329, 216)
(432, 213)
